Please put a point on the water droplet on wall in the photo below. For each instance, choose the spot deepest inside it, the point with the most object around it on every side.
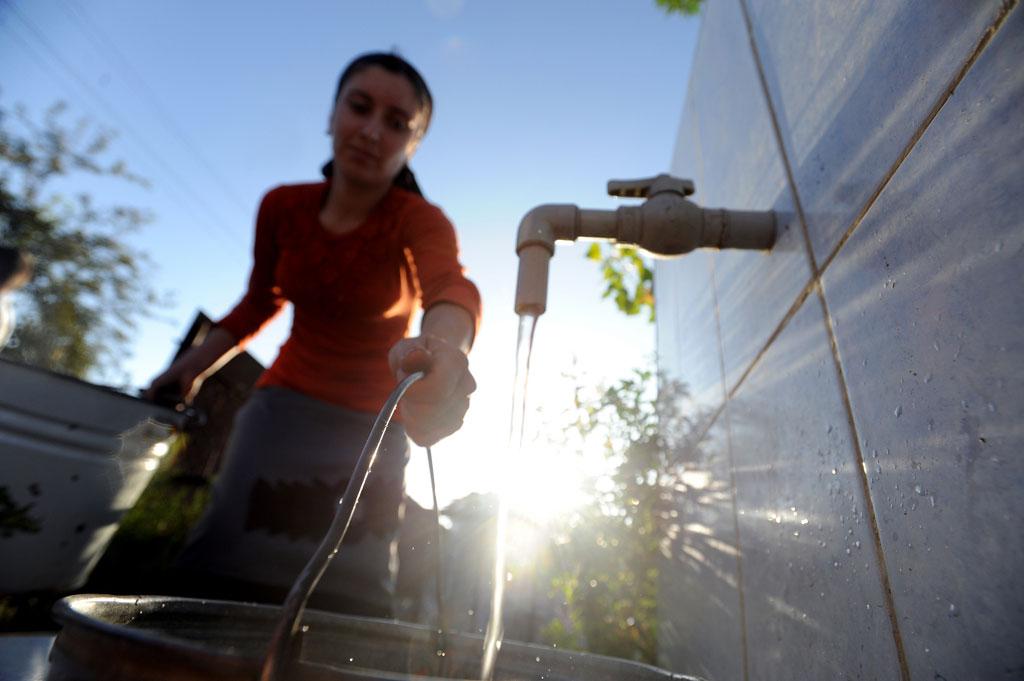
(898, 411)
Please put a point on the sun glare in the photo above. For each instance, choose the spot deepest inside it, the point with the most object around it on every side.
(543, 484)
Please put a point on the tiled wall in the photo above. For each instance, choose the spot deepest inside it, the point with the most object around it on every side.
(855, 509)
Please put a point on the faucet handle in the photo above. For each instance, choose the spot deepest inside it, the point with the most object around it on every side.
(649, 186)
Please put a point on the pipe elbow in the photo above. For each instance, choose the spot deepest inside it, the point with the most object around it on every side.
(545, 224)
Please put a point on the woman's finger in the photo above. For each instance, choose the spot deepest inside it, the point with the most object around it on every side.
(427, 423)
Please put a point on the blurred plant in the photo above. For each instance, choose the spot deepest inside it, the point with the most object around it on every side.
(140, 556)
(686, 7)
(628, 279)
(76, 314)
(610, 551)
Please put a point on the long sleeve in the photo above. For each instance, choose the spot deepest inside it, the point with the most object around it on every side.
(433, 248)
(353, 294)
(263, 299)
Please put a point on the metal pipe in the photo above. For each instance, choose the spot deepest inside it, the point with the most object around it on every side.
(665, 225)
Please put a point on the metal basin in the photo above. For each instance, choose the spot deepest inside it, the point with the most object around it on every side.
(146, 638)
(74, 458)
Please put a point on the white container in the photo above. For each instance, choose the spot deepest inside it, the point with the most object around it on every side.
(73, 458)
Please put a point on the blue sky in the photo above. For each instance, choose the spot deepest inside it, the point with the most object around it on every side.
(216, 102)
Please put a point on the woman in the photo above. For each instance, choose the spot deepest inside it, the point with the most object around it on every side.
(355, 255)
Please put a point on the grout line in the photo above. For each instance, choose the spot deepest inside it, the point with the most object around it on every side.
(798, 205)
(790, 313)
(862, 477)
(944, 96)
(705, 427)
(713, 279)
(739, 553)
(740, 585)
(816, 285)
(816, 272)
(773, 116)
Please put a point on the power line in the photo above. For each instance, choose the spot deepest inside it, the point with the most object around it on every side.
(139, 84)
(211, 214)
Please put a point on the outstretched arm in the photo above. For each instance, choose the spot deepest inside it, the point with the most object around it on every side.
(261, 303)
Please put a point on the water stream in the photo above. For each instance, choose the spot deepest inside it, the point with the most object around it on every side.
(492, 637)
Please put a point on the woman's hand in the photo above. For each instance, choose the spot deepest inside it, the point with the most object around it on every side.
(434, 406)
(185, 375)
(182, 379)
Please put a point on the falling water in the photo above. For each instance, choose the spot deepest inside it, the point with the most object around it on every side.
(492, 638)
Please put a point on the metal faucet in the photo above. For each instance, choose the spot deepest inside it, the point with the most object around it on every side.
(666, 224)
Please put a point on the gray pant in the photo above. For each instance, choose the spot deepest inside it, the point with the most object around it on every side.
(288, 462)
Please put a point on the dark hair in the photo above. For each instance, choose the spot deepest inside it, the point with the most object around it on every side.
(391, 62)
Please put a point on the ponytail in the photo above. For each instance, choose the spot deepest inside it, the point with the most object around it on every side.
(403, 180)
(407, 181)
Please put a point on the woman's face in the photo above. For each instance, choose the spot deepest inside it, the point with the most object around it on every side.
(376, 125)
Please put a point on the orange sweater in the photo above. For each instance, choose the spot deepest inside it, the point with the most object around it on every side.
(353, 295)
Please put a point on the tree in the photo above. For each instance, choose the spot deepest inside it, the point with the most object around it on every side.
(611, 549)
(88, 289)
